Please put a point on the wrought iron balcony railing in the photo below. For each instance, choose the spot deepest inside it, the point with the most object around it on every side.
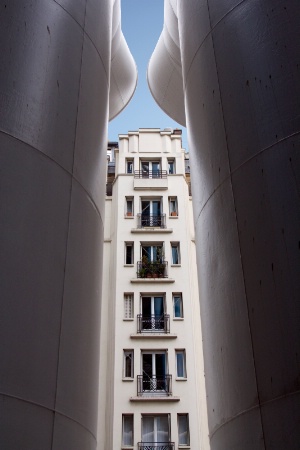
(159, 324)
(151, 220)
(152, 269)
(154, 385)
(150, 174)
(156, 446)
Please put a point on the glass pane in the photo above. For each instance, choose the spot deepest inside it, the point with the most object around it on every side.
(180, 364)
(162, 429)
(175, 259)
(129, 206)
(148, 429)
(177, 307)
(158, 306)
(160, 363)
(156, 208)
(128, 365)
(128, 254)
(128, 430)
(183, 435)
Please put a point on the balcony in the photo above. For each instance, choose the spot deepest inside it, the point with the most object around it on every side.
(153, 324)
(150, 174)
(151, 220)
(159, 386)
(152, 269)
(156, 446)
(150, 179)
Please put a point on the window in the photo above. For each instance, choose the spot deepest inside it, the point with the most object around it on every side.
(180, 364)
(128, 253)
(150, 169)
(153, 316)
(129, 206)
(128, 306)
(173, 208)
(151, 215)
(127, 430)
(153, 252)
(129, 165)
(128, 364)
(175, 253)
(177, 306)
(155, 378)
(183, 429)
(155, 429)
(171, 166)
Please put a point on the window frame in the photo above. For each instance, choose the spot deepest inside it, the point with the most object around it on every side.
(129, 245)
(175, 245)
(171, 162)
(127, 445)
(173, 206)
(186, 432)
(179, 296)
(128, 162)
(184, 372)
(129, 211)
(128, 296)
(128, 354)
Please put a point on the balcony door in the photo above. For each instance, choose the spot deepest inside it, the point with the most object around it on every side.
(150, 169)
(153, 313)
(155, 429)
(154, 368)
(151, 213)
(152, 252)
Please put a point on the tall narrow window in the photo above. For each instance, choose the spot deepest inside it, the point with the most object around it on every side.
(183, 429)
(175, 253)
(128, 306)
(173, 207)
(171, 166)
(180, 364)
(128, 364)
(127, 432)
(129, 206)
(128, 253)
(177, 306)
(129, 166)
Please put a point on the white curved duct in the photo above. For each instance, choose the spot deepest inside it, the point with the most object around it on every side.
(164, 73)
(54, 78)
(241, 92)
(123, 72)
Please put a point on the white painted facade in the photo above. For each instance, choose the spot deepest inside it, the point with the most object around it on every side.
(149, 339)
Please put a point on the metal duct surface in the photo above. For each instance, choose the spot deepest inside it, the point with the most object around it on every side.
(164, 73)
(54, 85)
(240, 63)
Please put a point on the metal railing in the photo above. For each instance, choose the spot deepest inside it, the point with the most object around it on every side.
(151, 220)
(154, 385)
(153, 323)
(150, 174)
(156, 446)
(152, 269)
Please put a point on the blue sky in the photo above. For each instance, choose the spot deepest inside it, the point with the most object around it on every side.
(142, 23)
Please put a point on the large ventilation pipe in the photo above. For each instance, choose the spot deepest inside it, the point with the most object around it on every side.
(56, 65)
(240, 69)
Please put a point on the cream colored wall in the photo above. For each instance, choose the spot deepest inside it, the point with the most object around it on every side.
(119, 280)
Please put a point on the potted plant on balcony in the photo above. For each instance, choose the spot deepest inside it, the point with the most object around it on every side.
(144, 267)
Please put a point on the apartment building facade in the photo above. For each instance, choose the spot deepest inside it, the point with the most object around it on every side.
(151, 371)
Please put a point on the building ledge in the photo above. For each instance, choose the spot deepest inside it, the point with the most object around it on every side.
(153, 335)
(152, 280)
(155, 399)
(151, 230)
